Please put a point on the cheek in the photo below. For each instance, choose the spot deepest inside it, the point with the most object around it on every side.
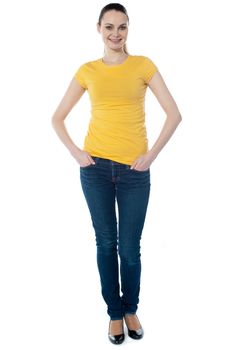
(105, 34)
(124, 34)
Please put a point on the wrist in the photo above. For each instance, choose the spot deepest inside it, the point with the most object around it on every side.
(152, 154)
(74, 150)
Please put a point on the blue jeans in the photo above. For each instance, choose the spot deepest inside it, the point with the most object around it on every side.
(105, 183)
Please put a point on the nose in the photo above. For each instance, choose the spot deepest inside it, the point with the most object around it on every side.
(115, 32)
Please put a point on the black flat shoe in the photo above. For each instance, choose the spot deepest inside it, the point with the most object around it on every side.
(138, 334)
(135, 333)
(116, 339)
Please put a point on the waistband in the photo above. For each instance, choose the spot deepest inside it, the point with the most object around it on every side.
(105, 161)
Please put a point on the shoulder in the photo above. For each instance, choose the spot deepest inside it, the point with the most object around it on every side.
(89, 64)
(145, 66)
(141, 58)
(85, 71)
(144, 62)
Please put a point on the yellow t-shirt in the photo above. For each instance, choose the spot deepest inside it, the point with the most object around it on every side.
(117, 128)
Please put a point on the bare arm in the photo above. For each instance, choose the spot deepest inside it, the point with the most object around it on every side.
(164, 97)
(71, 97)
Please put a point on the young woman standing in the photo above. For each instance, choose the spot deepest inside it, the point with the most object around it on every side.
(115, 161)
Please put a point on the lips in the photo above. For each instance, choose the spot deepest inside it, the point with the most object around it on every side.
(115, 41)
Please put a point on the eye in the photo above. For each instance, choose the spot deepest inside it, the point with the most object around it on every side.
(108, 27)
(123, 28)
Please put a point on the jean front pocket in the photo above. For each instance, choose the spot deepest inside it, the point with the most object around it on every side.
(141, 171)
(96, 159)
(87, 166)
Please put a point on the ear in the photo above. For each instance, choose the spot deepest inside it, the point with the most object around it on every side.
(98, 27)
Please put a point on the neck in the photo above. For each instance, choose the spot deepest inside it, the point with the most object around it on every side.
(114, 56)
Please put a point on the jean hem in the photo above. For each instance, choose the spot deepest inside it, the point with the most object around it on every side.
(115, 318)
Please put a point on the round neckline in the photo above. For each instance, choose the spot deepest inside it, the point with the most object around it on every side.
(114, 65)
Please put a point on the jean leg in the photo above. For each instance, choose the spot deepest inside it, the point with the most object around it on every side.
(132, 199)
(100, 197)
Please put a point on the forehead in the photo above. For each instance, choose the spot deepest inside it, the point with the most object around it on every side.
(114, 17)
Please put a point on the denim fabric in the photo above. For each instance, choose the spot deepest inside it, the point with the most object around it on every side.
(118, 232)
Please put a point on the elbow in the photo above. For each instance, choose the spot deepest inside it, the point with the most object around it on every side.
(179, 118)
(175, 117)
(55, 120)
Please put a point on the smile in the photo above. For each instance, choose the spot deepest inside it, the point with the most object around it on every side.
(115, 40)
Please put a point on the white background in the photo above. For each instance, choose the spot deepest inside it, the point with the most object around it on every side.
(50, 293)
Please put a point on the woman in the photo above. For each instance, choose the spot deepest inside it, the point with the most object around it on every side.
(115, 161)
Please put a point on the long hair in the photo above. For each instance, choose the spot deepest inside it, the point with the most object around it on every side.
(116, 7)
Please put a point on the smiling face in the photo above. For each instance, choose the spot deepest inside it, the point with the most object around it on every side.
(114, 29)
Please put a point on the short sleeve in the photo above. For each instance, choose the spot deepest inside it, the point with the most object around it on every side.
(80, 76)
(149, 69)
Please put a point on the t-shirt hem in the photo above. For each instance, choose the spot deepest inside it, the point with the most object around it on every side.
(151, 75)
(80, 83)
(114, 159)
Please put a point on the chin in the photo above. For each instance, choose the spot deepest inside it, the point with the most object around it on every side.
(115, 46)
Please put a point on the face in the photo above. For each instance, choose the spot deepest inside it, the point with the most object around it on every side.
(114, 29)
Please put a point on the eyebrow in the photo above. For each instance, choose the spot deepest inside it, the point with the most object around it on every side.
(123, 24)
